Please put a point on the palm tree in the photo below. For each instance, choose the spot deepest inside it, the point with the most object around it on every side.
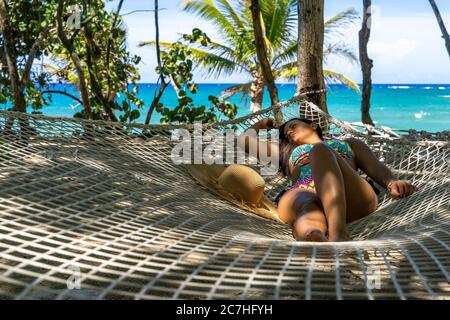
(261, 52)
(310, 52)
(237, 53)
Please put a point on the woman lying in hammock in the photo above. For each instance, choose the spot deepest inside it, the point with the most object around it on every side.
(327, 191)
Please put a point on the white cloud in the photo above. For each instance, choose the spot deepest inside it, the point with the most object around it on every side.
(392, 51)
(405, 48)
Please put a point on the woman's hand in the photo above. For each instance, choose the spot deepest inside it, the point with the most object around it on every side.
(266, 123)
(401, 189)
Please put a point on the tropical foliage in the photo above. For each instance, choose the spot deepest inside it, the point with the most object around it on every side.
(109, 68)
(24, 27)
(237, 54)
(100, 59)
(36, 50)
(176, 65)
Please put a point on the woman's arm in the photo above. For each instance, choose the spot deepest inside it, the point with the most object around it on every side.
(248, 140)
(367, 161)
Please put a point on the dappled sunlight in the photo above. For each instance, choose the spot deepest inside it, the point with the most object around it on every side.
(138, 226)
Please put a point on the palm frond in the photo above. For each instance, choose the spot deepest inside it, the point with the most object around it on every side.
(336, 77)
(231, 14)
(71, 75)
(243, 89)
(246, 15)
(291, 30)
(279, 21)
(223, 56)
(226, 52)
(214, 65)
(340, 50)
(341, 20)
(215, 48)
(289, 72)
(208, 10)
(288, 54)
(165, 45)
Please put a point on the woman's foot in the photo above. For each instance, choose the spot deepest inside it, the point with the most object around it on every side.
(312, 236)
(316, 236)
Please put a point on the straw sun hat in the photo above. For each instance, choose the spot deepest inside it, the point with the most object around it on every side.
(239, 184)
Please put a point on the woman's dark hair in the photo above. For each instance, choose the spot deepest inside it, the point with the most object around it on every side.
(286, 147)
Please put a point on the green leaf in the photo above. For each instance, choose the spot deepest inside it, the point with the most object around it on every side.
(135, 114)
(193, 88)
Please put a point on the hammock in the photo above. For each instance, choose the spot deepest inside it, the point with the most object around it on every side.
(98, 210)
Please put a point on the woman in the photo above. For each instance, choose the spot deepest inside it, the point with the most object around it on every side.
(327, 192)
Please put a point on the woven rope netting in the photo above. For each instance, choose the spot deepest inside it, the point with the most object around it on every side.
(104, 203)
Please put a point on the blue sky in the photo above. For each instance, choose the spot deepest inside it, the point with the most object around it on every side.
(406, 43)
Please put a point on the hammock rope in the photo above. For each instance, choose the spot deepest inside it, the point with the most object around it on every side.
(98, 210)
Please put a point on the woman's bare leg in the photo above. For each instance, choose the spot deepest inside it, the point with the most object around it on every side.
(311, 224)
(360, 199)
(330, 188)
(303, 211)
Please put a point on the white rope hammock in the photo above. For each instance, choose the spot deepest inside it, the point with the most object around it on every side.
(99, 203)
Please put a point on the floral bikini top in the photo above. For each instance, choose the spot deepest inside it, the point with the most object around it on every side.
(300, 155)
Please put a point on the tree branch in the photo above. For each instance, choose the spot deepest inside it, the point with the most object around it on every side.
(75, 59)
(63, 93)
(108, 48)
(163, 86)
(441, 25)
(32, 55)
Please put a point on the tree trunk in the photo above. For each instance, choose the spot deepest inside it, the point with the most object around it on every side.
(310, 51)
(441, 25)
(155, 102)
(366, 63)
(261, 52)
(75, 59)
(175, 86)
(26, 74)
(256, 93)
(106, 103)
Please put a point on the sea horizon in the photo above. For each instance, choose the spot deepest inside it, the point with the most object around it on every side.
(419, 106)
(293, 83)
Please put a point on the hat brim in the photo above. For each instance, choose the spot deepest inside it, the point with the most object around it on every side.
(208, 175)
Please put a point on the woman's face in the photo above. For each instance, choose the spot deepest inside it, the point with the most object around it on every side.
(299, 132)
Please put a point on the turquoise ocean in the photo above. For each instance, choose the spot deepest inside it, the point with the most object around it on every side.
(399, 106)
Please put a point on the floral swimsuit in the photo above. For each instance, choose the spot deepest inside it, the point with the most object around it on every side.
(300, 157)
